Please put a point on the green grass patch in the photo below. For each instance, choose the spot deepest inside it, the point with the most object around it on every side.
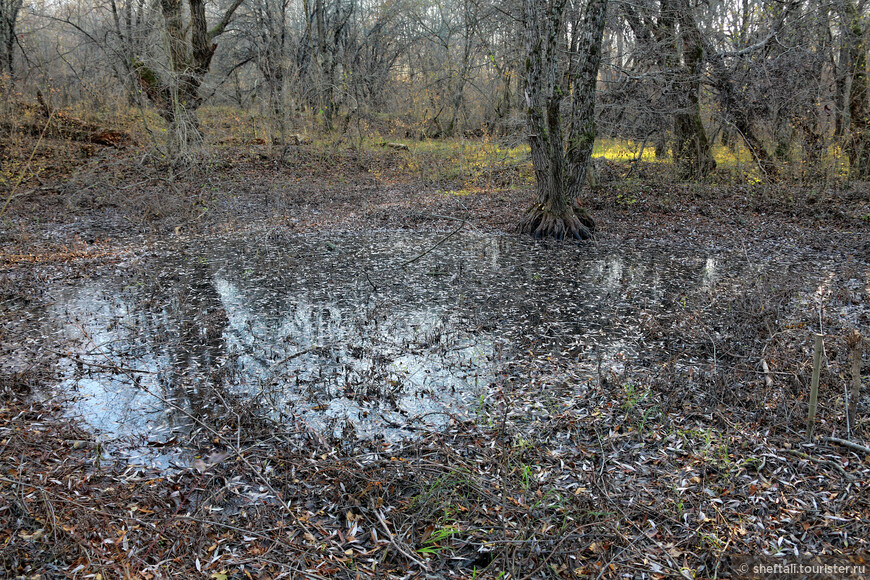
(470, 166)
(464, 166)
(624, 150)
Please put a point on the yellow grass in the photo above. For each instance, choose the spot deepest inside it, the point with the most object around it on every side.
(469, 165)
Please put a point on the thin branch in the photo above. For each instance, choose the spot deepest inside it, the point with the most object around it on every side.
(825, 462)
(848, 444)
(438, 243)
(228, 15)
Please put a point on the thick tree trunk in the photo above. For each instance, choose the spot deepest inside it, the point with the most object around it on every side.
(692, 149)
(543, 25)
(581, 138)
(557, 173)
(190, 47)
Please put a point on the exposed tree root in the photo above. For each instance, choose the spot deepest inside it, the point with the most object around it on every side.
(577, 224)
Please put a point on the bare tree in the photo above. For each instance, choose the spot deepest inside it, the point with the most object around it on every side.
(175, 90)
(692, 147)
(560, 173)
(268, 31)
(675, 46)
(320, 53)
(740, 62)
(780, 77)
(129, 21)
(9, 10)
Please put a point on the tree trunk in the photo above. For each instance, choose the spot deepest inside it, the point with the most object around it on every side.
(557, 174)
(176, 95)
(756, 147)
(739, 117)
(692, 149)
(581, 138)
(272, 62)
(9, 10)
(658, 40)
(322, 49)
(842, 81)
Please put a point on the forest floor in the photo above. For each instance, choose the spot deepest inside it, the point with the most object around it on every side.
(684, 470)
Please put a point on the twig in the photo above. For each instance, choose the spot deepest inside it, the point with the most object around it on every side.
(826, 462)
(814, 387)
(251, 532)
(396, 544)
(291, 357)
(634, 162)
(553, 551)
(749, 146)
(615, 556)
(849, 444)
(21, 483)
(366, 273)
(438, 243)
(854, 342)
(78, 360)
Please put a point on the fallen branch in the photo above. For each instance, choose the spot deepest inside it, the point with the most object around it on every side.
(848, 444)
(291, 357)
(438, 243)
(826, 462)
(396, 544)
(398, 146)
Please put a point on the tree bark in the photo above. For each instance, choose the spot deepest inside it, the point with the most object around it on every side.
(692, 149)
(581, 138)
(9, 10)
(559, 174)
(177, 95)
(842, 80)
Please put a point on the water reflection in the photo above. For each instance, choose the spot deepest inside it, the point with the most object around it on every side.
(336, 334)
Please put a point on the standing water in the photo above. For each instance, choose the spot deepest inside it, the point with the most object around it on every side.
(349, 335)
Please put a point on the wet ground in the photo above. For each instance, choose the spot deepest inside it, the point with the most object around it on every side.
(377, 335)
(362, 410)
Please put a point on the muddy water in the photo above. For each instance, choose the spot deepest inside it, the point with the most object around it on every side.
(343, 334)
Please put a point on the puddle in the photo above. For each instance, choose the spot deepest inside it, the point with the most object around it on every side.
(338, 333)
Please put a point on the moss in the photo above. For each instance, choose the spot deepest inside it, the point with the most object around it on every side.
(583, 139)
(146, 75)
